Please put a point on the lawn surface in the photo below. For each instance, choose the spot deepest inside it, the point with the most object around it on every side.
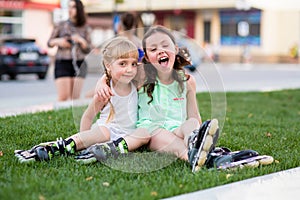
(267, 122)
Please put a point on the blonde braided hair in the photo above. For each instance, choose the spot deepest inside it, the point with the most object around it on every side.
(117, 48)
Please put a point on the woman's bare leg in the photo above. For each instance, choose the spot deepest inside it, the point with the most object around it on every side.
(64, 87)
(77, 85)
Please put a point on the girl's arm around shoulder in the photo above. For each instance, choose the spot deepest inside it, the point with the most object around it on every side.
(102, 88)
(192, 106)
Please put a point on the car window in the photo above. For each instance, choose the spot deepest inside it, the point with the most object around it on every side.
(21, 45)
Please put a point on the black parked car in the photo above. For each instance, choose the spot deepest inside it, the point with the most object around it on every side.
(22, 56)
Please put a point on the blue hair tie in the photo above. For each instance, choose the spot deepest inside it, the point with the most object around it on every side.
(141, 54)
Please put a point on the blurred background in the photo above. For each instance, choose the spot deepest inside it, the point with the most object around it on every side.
(255, 43)
(230, 31)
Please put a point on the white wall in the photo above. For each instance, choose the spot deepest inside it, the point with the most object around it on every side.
(38, 24)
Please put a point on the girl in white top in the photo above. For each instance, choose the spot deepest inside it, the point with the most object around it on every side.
(125, 116)
(118, 114)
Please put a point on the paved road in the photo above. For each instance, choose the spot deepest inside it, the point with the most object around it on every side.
(27, 91)
(248, 77)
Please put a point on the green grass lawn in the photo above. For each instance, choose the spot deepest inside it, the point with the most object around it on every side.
(267, 122)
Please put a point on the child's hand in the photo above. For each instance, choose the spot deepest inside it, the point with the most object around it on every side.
(102, 90)
(99, 102)
(101, 98)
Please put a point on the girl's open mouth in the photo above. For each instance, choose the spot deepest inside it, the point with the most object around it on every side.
(163, 61)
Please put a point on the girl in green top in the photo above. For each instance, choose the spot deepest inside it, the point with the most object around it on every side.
(167, 104)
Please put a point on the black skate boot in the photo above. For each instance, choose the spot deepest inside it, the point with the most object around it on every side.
(223, 158)
(102, 151)
(46, 151)
(201, 142)
(98, 152)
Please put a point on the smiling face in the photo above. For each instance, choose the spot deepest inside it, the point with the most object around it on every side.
(120, 58)
(123, 70)
(160, 52)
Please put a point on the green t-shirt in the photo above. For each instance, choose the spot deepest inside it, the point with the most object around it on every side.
(167, 110)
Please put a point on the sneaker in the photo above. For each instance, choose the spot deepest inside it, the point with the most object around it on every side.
(201, 142)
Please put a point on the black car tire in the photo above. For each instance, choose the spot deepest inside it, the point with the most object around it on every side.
(42, 76)
(12, 76)
(192, 69)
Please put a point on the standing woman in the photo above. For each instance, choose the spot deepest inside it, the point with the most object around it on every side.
(72, 37)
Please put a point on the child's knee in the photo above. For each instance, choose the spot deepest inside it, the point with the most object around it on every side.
(144, 134)
(193, 122)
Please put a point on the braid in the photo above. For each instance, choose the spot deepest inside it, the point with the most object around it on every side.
(116, 48)
(111, 110)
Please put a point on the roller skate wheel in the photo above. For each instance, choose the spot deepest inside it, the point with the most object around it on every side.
(202, 158)
(197, 168)
(253, 164)
(213, 127)
(266, 161)
(208, 143)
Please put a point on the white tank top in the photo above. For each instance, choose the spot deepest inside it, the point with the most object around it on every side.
(125, 107)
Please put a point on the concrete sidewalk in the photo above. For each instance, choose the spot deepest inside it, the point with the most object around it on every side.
(276, 186)
(42, 107)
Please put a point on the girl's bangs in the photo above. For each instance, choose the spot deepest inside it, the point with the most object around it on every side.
(125, 51)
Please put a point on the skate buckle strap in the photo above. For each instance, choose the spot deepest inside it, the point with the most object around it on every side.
(113, 149)
(61, 146)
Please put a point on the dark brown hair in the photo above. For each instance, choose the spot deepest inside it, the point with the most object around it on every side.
(80, 16)
(151, 73)
(128, 21)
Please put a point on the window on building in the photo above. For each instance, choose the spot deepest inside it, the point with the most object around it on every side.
(177, 22)
(207, 25)
(10, 23)
(229, 27)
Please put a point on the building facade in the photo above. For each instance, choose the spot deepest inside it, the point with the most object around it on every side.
(27, 18)
(235, 30)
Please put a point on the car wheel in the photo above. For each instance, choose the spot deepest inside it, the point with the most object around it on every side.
(42, 75)
(192, 69)
(12, 76)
